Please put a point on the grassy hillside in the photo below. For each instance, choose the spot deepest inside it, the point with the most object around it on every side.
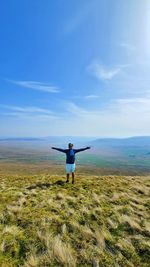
(98, 221)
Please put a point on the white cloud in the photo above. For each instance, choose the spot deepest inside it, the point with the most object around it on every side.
(136, 100)
(137, 106)
(74, 109)
(26, 112)
(122, 117)
(104, 73)
(75, 22)
(29, 116)
(131, 108)
(128, 46)
(44, 87)
(92, 96)
(27, 109)
(80, 16)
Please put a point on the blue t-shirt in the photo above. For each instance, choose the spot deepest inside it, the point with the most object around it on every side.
(70, 153)
(70, 156)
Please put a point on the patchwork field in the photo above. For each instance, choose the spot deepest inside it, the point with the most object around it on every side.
(101, 220)
(125, 156)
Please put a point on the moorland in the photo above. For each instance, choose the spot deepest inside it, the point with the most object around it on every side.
(102, 220)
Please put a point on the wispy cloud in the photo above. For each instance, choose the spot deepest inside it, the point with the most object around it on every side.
(23, 116)
(85, 97)
(75, 22)
(23, 112)
(34, 85)
(128, 46)
(136, 100)
(102, 72)
(119, 117)
(80, 111)
(27, 109)
(80, 15)
(135, 105)
(91, 96)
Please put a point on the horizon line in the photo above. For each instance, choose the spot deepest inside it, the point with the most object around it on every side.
(74, 136)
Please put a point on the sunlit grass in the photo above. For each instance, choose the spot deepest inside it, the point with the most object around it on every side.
(98, 221)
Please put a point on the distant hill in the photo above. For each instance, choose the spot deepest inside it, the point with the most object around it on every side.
(131, 154)
(49, 138)
(135, 140)
(21, 139)
(131, 141)
(52, 140)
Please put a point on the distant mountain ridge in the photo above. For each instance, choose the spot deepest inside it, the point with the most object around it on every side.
(20, 139)
(131, 154)
(130, 141)
(50, 139)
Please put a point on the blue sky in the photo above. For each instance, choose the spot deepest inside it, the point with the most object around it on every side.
(78, 67)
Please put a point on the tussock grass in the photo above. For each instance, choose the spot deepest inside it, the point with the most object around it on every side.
(62, 252)
(100, 239)
(32, 261)
(99, 221)
(131, 223)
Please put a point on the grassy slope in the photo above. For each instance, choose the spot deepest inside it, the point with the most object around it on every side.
(99, 221)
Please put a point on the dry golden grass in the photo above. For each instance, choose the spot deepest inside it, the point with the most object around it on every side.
(100, 221)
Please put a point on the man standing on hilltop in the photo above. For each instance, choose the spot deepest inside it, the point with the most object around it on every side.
(70, 159)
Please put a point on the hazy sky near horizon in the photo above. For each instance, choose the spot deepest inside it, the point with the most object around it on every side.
(75, 67)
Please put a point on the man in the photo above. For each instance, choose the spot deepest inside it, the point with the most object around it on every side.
(70, 159)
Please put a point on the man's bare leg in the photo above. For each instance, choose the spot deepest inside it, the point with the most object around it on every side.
(67, 181)
(73, 177)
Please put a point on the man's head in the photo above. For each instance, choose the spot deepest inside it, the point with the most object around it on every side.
(70, 146)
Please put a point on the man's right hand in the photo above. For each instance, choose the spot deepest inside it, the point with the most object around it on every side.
(88, 147)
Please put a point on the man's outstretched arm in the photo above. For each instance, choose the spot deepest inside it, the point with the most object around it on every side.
(59, 149)
(82, 149)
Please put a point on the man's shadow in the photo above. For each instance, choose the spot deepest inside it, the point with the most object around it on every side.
(45, 185)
